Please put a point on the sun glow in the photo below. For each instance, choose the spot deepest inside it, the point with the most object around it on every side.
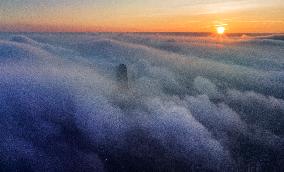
(220, 30)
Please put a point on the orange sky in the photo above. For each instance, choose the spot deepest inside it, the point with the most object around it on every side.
(142, 16)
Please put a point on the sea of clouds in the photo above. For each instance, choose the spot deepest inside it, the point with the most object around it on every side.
(194, 103)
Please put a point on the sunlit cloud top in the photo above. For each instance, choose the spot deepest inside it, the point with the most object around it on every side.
(142, 15)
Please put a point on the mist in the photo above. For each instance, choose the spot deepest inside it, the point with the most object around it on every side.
(192, 103)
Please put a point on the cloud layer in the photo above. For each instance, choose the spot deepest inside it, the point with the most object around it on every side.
(193, 103)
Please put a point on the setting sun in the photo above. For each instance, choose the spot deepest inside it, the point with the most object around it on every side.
(220, 30)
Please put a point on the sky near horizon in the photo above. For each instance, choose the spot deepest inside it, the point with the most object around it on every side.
(141, 15)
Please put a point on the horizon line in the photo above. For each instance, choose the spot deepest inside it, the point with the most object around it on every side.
(140, 32)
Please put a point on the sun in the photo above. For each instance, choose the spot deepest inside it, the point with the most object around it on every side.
(220, 30)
